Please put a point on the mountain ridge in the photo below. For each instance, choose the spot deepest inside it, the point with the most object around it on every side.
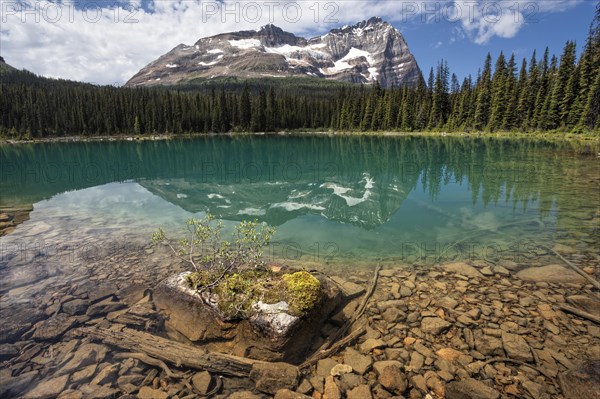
(367, 52)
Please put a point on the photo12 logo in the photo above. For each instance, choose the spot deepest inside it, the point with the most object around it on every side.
(255, 12)
(68, 12)
(469, 11)
(211, 11)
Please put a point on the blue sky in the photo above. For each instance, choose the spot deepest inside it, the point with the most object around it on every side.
(430, 42)
(107, 41)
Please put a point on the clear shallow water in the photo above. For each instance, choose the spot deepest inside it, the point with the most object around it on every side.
(338, 200)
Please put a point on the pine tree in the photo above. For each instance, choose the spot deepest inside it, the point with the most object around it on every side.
(591, 113)
(523, 94)
(559, 105)
(439, 101)
(541, 93)
(588, 90)
(244, 108)
(271, 111)
(483, 96)
(498, 105)
(511, 93)
(367, 119)
(137, 130)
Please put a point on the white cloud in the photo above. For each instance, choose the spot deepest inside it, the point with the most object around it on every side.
(483, 20)
(109, 45)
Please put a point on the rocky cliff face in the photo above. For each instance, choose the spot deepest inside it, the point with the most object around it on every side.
(368, 52)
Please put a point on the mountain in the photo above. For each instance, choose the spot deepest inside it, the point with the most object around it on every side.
(368, 52)
(5, 67)
(357, 200)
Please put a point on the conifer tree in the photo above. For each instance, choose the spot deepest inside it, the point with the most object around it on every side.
(561, 98)
(511, 95)
(483, 96)
(498, 104)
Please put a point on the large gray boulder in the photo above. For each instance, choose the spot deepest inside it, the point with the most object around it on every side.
(270, 334)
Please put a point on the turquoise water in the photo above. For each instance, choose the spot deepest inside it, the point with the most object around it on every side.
(332, 199)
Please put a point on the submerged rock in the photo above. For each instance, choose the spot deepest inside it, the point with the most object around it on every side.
(582, 381)
(48, 389)
(271, 377)
(470, 389)
(16, 319)
(550, 274)
(271, 333)
(53, 327)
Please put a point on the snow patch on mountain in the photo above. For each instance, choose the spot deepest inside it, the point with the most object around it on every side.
(246, 43)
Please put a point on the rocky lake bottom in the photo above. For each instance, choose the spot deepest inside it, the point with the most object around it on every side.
(484, 303)
(472, 329)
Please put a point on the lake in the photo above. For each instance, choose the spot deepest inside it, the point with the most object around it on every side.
(334, 200)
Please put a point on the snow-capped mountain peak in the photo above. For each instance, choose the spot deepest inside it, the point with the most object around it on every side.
(367, 52)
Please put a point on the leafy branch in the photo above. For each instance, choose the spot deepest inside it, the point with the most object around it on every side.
(203, 248)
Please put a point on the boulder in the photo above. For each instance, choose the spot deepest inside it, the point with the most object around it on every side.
(188, 313)
(75, 307)
(582, 381)
(271, 377)
(53, 327)
(270, 334)
(360, 392)
(488, 345)
(201, 382)
(244, 395)
(359, 363)
(393, 379)
(351, 290)
(551, 274)
(8, 351)
(470, 389)
(585, 303)
(102, 290)
(85, 355)
(381, 365)
(149, 393)
(25, 275)
(434, 325)
(48, 389)
(516, 347)
(107, 375)
(132, 293)
(287, 394)
(11, 387)
(462, 268)
(104, 307)
(16, 319)
(331, 390)
(372, 343)
(100, 392)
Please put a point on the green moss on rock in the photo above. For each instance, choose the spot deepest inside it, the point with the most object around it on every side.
(238, 292)
(303, 290)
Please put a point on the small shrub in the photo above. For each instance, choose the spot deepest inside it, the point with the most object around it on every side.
(236, 271)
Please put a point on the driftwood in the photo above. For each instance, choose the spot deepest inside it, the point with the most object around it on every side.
(148, 360)
(589, 278)
(323, 353)
(580, 313)
(358, 313)
(171, 351)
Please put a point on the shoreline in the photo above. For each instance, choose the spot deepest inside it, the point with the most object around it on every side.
(586, 138)
(428, 333)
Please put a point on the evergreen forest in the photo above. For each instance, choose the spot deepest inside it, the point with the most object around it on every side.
(541, 93)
